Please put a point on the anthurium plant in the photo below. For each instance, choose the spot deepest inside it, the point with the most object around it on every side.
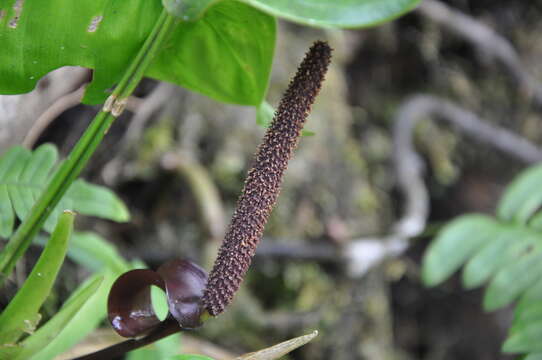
(220, 48)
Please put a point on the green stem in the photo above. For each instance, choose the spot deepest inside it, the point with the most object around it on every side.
(167, 24)
(129, 75)
(85, 147)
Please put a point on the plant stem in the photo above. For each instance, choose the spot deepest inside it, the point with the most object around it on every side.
(134, 73)
(167, 24)
(85, 147)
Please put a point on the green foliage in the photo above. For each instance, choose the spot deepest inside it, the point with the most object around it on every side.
(222, 49)
(90, 315)
(188, 10)
(96, 254)
(335, 13)
(225, 55)
(320, 13)
(160, 350)
(535, 356)
(22, 313)
(58, 324)
(81, 314)
(48, 332)
(519, 202)
(526, 330)
(445, 257)
(505, 253)
(24, 176)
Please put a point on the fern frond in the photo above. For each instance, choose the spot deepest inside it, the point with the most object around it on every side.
(24, 175)
(503, 252)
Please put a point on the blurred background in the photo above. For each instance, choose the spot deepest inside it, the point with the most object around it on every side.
(407, 133)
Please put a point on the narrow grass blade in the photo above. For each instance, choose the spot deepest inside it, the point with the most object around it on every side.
(24, 307)
(57, 324)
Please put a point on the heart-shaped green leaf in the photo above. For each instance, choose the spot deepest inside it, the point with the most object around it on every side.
(226, 54)
(336, 13)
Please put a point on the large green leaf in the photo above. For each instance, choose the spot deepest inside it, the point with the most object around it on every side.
(455, 244)
(25, 306)
(226, 55)
(23, 177)
(188, 10)
(335, 13)
(321, 13)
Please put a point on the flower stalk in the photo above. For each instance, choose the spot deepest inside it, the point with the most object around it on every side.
(264, 180)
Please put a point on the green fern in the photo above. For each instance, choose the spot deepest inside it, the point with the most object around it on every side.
(25, 174)
(504, 252)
